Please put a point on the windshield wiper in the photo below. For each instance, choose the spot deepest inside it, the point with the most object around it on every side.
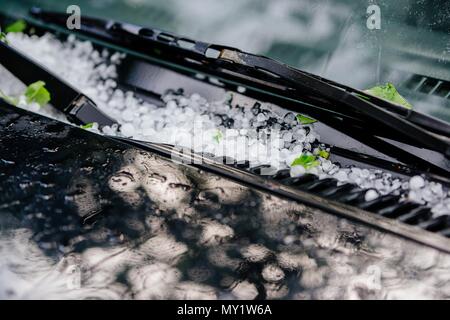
(82, 110)
(76, 106)
(262, 72)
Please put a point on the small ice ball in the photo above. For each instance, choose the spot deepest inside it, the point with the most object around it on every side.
(284, 153)
(297, 171)
(287, 136)
(356, 171)
(436, 188)
(379, 185)
(195, 97)
(371, 195)
(127, 129)
(396, 184)
(183, 101)
(326, 165)
(171, 104)
(261, 117)
(341, 176)
(299, 134)
(365, 173)
(289, 118)
(142, 109)
(416, 182)
(127, 115)
(310, 138)
(415, 196)
(34, 107)
(298, 149)
(427, 195)
(440, 209)
(106, 130)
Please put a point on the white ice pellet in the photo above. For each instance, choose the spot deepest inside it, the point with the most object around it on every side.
(297, 171)
(442, 208)
(365, 173)
(416, 182)
(437, 189)
(287, 137)
(371, 195)
(326, 165)
(298, 149)
(261, 117)
(415, 196)
(289, 118)
(341, 176)
(128, 115)
(127, 130)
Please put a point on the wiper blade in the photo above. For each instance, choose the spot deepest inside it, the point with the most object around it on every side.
(431, 163)
(262, 72)
(75, 105)
(423, 120)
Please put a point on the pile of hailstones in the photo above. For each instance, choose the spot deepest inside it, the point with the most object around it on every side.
(212, 127)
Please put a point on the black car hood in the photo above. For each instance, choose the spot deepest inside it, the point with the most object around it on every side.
(83, 216)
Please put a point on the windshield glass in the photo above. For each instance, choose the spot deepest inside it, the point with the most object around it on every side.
(359, 43)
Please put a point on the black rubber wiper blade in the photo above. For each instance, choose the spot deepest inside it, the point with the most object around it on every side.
(76, 106)
(233, 64)
(424, 120)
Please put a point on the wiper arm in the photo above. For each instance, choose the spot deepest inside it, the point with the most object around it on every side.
(262, 72)
(75, 105)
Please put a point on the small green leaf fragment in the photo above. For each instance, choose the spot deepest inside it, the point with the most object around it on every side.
(307, 161)
(324, 154)
(18, 26)
(3, 37)
(363, 96)
(389, 92)
(87, 125)
(11, 100)
(305, 120)
(36, 92)
(218, 136)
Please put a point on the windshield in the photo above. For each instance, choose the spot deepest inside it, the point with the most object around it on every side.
(359, 43)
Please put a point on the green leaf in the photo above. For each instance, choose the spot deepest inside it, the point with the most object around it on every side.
(389, 92)
(3, 37)
(305, 120)
(18, 26)
(307, 161)
(87, 125)
(362, 96)
(36, 92)
(11, 100)
(324, 154)
(218, 136)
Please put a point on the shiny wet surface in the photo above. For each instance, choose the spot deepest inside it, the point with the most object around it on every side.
(82, 216)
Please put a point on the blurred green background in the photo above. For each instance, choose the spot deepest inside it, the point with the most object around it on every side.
(326, 37)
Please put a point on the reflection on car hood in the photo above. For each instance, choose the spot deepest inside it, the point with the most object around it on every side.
(83, 216)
